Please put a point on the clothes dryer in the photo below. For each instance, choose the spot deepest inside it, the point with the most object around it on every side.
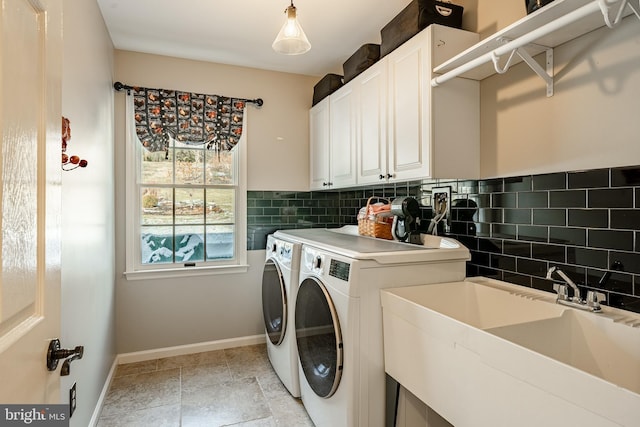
(338, 317)
(279, 289)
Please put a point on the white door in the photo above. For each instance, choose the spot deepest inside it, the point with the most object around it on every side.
(30, 172)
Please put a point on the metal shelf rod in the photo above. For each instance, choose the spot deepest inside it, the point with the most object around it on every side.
(581, 12)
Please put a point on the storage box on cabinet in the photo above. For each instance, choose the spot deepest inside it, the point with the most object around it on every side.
(363, 58)
(326, 86)
(414, 18)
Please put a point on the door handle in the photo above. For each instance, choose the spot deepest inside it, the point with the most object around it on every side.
(55, 353)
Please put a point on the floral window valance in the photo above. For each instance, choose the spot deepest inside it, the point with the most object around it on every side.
(191, 118)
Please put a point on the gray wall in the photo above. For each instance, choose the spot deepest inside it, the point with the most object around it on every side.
(162, 313)
(87, 205)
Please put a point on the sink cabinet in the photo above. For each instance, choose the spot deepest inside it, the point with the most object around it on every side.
(389, 125)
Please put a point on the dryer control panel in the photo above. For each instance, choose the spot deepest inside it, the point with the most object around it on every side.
(339, 270)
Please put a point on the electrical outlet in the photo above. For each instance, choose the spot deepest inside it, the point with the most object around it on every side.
(72, 400)
(441, 204)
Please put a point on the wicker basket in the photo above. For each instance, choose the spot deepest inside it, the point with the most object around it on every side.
(374, 225)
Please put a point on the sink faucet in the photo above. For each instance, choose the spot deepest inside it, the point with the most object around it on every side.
(592, 303)
(568, 281)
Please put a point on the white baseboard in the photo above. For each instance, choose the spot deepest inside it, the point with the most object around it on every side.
(140, 356)
(103, 394)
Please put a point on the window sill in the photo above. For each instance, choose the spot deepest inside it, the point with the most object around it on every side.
(185, 272)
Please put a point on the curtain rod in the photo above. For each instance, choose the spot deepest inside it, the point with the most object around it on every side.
(119, 86)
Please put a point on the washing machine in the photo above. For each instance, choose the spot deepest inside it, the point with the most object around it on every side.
(279, 289)
(338, 317)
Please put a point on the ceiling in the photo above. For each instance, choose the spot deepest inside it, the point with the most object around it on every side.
(240, 32)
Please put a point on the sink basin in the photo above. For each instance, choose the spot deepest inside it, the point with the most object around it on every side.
(479, 305)
(596, 345)
(487, 353)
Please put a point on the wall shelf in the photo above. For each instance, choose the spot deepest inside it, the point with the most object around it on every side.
(555, 24)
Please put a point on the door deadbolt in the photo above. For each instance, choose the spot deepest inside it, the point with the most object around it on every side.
(55, 353)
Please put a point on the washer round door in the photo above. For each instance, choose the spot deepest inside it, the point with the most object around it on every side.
(274, 302)
(318, 338)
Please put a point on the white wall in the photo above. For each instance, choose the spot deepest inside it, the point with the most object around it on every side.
(169, 312)
(590, 122)
(88, 205)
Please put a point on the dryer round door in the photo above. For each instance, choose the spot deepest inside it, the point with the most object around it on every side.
(274, 302)
(318, 338)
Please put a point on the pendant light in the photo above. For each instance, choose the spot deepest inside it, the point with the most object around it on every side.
(291, 39)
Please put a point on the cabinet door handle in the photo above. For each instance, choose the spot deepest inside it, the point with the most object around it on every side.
(324, 184)
(389, 176)
(381, 176)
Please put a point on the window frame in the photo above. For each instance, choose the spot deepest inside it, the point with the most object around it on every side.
(134, 269)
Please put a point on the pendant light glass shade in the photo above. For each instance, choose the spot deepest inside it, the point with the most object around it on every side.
(291, 39)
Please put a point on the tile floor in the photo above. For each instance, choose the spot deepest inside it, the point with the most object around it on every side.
(232, 387)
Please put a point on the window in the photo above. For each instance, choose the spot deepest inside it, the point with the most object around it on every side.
(186, 208)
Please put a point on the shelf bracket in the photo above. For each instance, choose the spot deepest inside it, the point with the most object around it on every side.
(605, 8)
(545, 74)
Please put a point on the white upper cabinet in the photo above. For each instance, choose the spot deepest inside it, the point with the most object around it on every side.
(333, 141)
(432, 133)
(389, 125)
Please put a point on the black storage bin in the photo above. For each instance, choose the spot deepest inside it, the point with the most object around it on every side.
(416, 17)
(533, 5)
(326, 86)
(362, 59)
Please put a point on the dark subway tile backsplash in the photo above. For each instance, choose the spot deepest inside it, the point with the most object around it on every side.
(568, 199)
(625, 219)
(551, 181)
(536, 199)
(568, 236)
(625, 177)
(550, 217)
(593, 218)
(610, 198)
(516, 227)
(611, 239)
(588, 179)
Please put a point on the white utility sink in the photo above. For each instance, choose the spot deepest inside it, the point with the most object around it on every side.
(487, 353)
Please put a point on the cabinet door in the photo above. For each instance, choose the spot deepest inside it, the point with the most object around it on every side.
(371, 106)
(409, 145)
(319, 145)
(342, 137)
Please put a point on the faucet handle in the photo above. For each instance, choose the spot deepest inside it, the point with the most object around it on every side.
(562, 291)
(595, 298)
